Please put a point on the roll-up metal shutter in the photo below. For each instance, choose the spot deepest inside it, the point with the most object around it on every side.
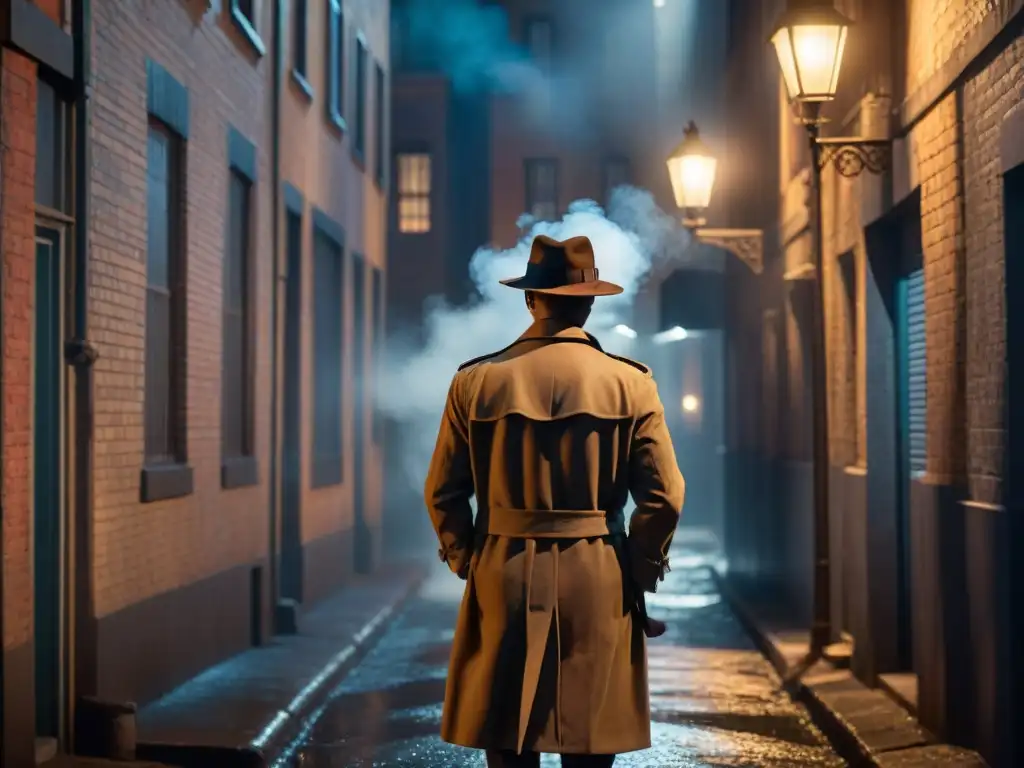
(917, 372)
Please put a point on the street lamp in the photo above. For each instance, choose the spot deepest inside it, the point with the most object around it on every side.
(692, 168)
(810, 40)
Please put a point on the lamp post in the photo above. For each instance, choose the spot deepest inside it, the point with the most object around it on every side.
(809, 40)
(692, 168)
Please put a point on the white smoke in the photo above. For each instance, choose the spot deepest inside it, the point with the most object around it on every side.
(627, 242)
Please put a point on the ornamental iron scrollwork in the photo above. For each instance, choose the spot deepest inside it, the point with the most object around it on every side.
(851, 157)
(745, 244)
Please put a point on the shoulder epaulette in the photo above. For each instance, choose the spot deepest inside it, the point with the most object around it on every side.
(480, 359)
(636, 364)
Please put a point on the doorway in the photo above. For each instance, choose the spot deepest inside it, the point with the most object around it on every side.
(48, 517)
(911, 373)
(363, 538)
(291, 415)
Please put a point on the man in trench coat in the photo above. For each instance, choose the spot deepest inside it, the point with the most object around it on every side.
(551, 434)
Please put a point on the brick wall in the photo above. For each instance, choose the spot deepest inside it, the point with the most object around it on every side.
(145, 549)
(317, 159)
(987, 99)
(17, 237)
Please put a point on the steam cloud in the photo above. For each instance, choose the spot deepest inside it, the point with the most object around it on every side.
(627, 242)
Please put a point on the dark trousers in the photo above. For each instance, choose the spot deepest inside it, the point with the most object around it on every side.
(532, 760)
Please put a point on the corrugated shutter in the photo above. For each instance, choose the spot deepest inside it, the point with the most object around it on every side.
(917, 371)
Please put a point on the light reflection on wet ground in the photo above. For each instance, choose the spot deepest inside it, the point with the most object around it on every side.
(715, 700)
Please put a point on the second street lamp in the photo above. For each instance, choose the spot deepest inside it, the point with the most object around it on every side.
(692, 168)
(810, 40)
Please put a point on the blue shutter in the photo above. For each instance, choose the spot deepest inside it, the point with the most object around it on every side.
(917, 372)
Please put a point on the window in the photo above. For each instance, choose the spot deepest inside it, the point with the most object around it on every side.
(165, 301)
(328, 295)
(300, 38)
(616, 174)
(245, 15)
(359, 139)
(538, 39)
(542, 189)
(336, 65)
(53, 140)
(380, 116)
(414, 193)
(237, 376)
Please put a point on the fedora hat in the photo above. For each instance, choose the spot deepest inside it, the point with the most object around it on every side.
(565, 268)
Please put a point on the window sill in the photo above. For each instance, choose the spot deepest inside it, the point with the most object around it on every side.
(359, 158)
(337, 122)
(300, 82)
(326, 471)
(239, 472)
(166, 481)
(248, 31)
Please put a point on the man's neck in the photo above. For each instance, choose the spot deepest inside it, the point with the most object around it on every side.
(549, 326)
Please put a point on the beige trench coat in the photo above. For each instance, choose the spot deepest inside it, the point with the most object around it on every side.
(551, 434)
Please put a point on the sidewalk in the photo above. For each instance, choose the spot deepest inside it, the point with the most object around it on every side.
(246, 710)
(866, 725)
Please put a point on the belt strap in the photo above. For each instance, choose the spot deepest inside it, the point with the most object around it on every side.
(553, 523)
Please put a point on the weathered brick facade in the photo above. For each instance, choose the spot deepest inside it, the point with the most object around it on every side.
(939, 79)
(204, 556)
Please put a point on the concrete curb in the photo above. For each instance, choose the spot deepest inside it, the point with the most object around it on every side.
(841, 706)
(285, 731)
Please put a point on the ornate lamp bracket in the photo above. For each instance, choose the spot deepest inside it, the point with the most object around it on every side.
(745, 244)
(852, 156)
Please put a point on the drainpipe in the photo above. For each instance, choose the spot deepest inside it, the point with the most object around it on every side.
(81, 355)
(275, 340)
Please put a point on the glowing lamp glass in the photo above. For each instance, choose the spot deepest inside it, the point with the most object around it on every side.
(809, 43)
(692, 168)
(690, 403)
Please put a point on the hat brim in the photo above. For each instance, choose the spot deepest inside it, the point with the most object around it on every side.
(592, 288)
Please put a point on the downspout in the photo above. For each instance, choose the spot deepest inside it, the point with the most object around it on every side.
(275, 335)
(81, 355)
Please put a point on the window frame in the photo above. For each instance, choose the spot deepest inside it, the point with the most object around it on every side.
(300, 46)
(241, 469)
(336, 68)
(249, 26)
(401, 192)
(328, 469)
(380, 121)
(360, 74)
(531, 163)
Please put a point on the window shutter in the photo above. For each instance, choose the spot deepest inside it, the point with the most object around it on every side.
(917, 372)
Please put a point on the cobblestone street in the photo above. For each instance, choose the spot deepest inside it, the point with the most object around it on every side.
(715, 699)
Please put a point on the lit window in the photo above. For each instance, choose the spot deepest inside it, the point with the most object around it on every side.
(414, 193)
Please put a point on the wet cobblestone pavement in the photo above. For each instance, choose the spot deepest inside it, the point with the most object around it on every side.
(715, 700)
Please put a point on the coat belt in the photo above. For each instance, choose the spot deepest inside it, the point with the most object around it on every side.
(553, 523)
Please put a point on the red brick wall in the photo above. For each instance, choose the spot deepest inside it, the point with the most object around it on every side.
(17, 233)
(317, 159)
(145, 549)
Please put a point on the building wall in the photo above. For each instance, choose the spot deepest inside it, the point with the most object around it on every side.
(156, 563)
(319, 160)
(940, 79)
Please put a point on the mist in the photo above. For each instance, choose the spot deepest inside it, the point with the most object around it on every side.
(628, 239)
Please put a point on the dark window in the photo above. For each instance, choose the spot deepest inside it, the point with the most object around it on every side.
(414, 193)
(616, 174)
(237, 378)
(300, 33)
(336, 65)
(165, 301)
(378, 346)
(539, 38)
(542, 189)
(359, 139)
(379, 123)
(327, 360)
(52, 143)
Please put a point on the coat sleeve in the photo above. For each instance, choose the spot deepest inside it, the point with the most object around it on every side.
(657, 487)
(449, 485)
